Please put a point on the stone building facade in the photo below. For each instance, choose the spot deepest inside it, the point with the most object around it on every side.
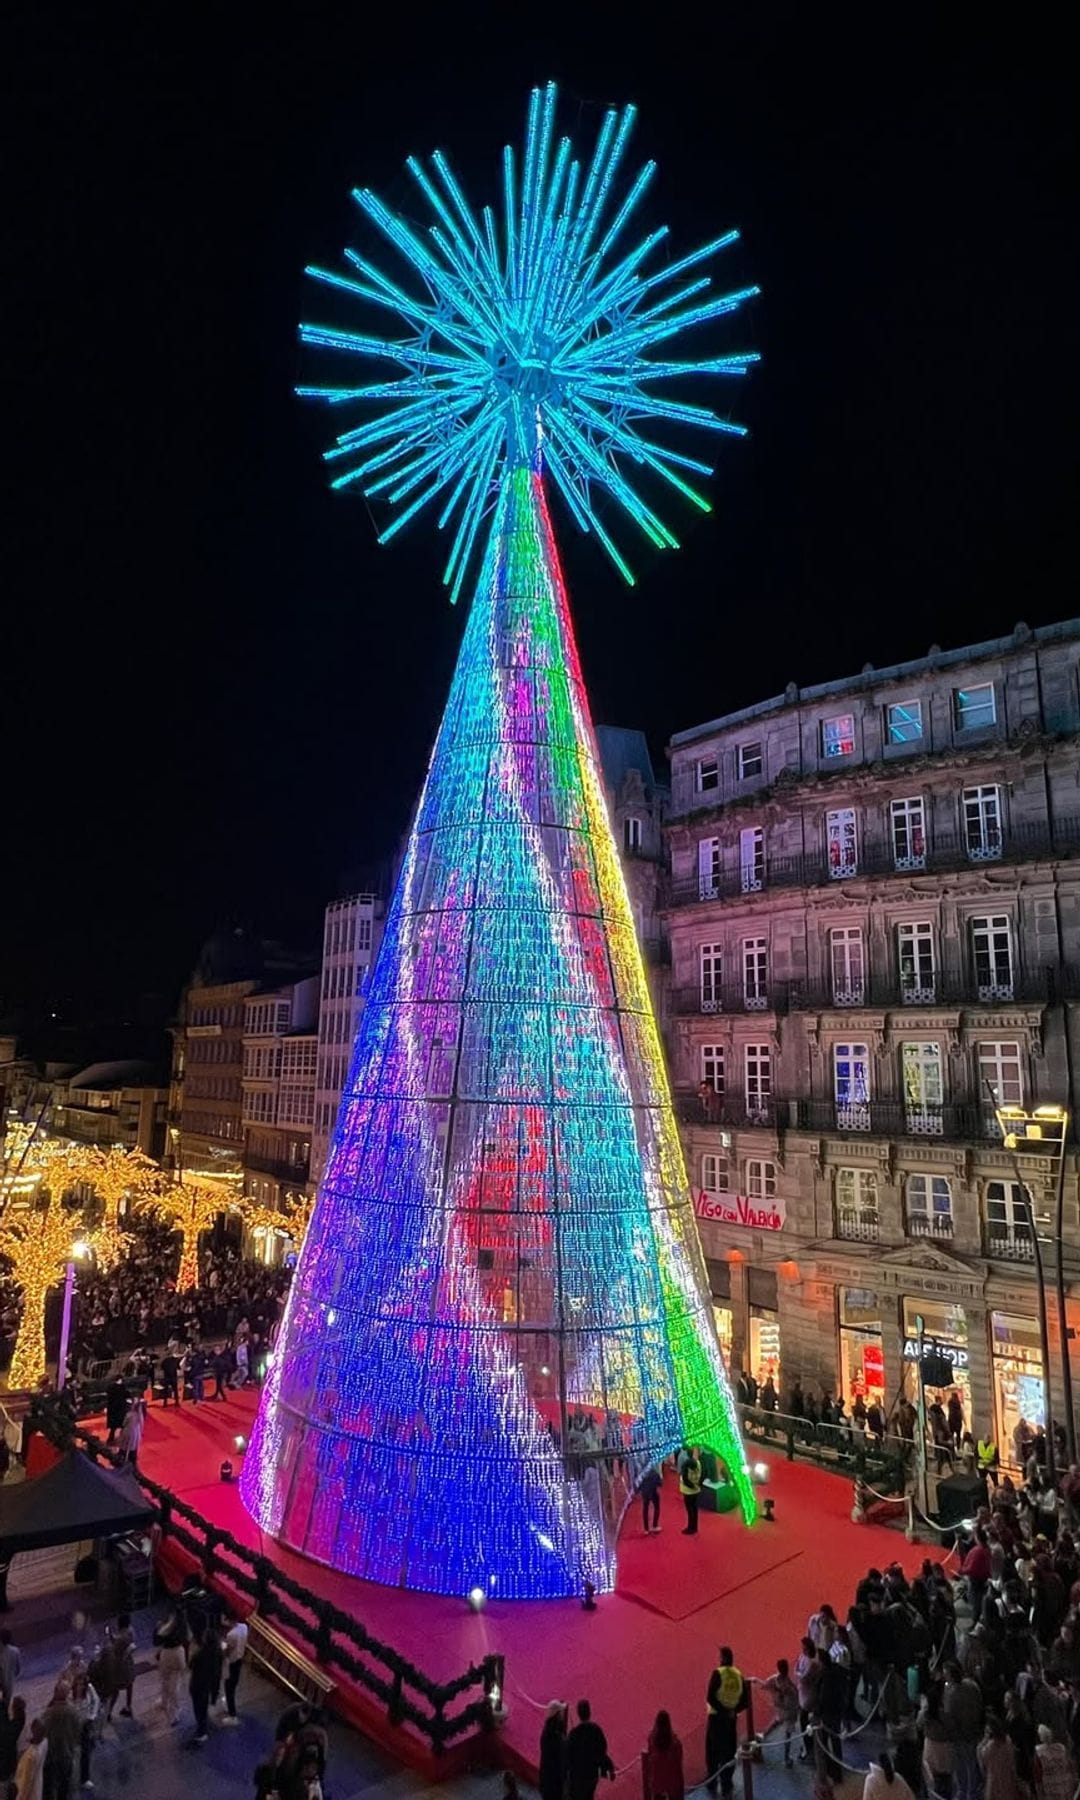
(874, 920)
(278, 1090)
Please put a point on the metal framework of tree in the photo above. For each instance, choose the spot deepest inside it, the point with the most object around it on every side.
(501, 1316)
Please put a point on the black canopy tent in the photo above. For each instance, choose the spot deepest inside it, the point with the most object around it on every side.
(75, 1499)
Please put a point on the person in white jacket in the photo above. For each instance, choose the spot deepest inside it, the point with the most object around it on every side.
(883, 1783)
(87, 1703)
(30, 1770)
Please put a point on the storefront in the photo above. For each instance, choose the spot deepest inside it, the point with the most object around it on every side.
(945, 1338)
(862, 1356)
(764, 1326)
(720, 1288)
(1019, 1388)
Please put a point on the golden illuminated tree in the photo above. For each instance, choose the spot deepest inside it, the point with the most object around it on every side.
(293, 1217)
(39, 1242)
(192, 1207)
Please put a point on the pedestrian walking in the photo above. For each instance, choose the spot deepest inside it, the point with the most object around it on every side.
(883, 1783)
(997, 1762)
(87, 1703)
(131, 1434)
(1055, 1778)
(785, 1699)
(12, 1726)
(63, 1734)
(587, 1756)
(119, 1659)
(170, 1377)
(650, 1488)
(724, 1699)
(236, 1638)
(204, 1678)
(171, 1638)
(962, 1710)
(10, 1667)
(690, 1478)
(116, 1407)
(662, 1763)
(30, 1771)
(553, 1752)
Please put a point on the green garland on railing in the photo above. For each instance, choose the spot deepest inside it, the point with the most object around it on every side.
(330, 1620)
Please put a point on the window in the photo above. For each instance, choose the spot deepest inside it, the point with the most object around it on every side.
(929, 1206)
(708, 775)
(712, 968)
(632, 834)
(751, 761)
(1008, 1226)
(361, 977)
(712, 1066)
(915, 957)
(991, 944)
(973, 707)
(999, 1074)
(838, 735)
(760, 1180)
(715, 1175)
(857, 1213)
(758, 1062)
(752, 859)
(908, 834)
(924, 1093)
(755, 969)
(841, 843)
(982, 823)
(847, 964)
(363, 934)
(708, 868)
(903, 722)
(851, 1078)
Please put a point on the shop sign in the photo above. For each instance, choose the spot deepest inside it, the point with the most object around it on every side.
(932, 1346)
(736, 1209)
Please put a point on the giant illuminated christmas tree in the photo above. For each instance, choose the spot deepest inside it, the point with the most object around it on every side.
(501, 1316)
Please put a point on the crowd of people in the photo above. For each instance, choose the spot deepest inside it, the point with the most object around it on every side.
(137, 1303)
(199, 1652)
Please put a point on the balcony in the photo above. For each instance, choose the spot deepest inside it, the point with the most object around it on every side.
(739, 997)
(948, 851)
(725, 1113)
(894, 1119)
(1008, 1246)
(938, 1227)
(858, 1224)
(278, 1167)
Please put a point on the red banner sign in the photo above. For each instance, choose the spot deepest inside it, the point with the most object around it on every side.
(737, 1209)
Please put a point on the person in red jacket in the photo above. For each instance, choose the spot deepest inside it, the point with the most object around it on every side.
(662, 1764)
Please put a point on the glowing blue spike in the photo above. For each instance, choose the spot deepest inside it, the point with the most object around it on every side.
(530, 338)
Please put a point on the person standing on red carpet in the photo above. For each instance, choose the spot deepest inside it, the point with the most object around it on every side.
(586, 1756)
(662, 1762)
(690, 1476)
(724, 1700)
(649, 1488)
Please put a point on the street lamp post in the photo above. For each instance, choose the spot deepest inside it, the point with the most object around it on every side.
(78, 1251)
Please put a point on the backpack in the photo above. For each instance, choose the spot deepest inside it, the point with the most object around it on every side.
(731, 1688)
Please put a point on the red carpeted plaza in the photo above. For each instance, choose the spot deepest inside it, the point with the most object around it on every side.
(650, 1644)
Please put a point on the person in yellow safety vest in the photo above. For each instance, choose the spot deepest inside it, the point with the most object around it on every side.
(725, 1697)
(987, 1459)
(690, 1476)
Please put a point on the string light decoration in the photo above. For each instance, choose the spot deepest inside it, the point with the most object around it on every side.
(192, 1207)
(38, 1242)
(501, 1316)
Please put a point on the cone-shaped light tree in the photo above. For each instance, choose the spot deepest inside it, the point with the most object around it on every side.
(500, 1316)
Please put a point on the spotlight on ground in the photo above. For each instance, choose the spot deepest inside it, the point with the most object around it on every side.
(588, 1600)
(761, 1471)
(226, 1470)
(240, 1443)
(477, 1599)
(767, 1505)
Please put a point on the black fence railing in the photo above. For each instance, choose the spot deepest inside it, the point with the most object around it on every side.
(865, 1118)
(882, 1462)
(945, 852)
(1036, 987)
(331, 1637)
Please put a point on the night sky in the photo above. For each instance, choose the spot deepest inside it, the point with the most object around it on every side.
(218, 693)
